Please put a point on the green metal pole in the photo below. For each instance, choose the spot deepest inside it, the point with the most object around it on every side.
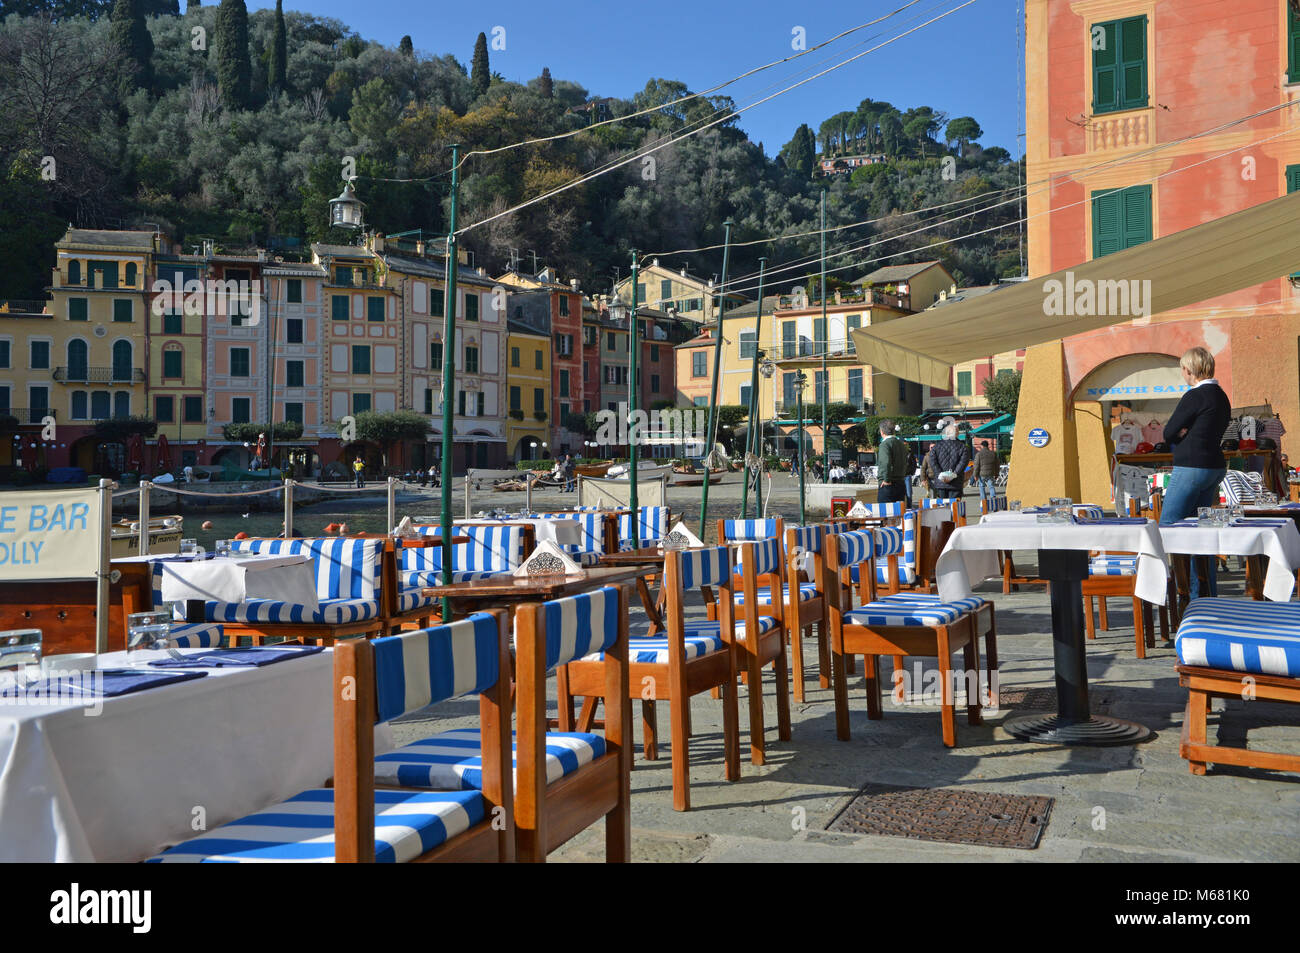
(448, 379)
(634, 345)
(754, 443)
(711, 433)
(803, 453)
(826, 334)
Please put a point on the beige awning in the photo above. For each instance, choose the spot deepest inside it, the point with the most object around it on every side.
(1218, 257)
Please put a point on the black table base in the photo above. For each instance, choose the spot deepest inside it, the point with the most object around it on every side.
(1072, 724)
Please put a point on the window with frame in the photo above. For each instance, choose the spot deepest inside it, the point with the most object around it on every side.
(514, 357)
(100, 405)
(78, 309)
(471, 359)
(293, 373)
(240, 364)
(666, 289)
(164, 408)
(564, 306)
(343, 275)
(339, 307)
(437, 302)
(963, 383)
(435, 355)
(654, 383)
(516, 401)
(361, 359)
(699, 364)
(1119, 64)
(293, 291)
(428, 400)
(39, 396)
(293, 411)
(293, 330)
(122, 310)
(654, 352)
(1293, 44)
(819, 387)
(241, 411)
(852, 323)
(74, 272)
(193, 409)
(375, 308)
(640, 292)
(855, 387)
(788, 389)
(6, 356)
(1121, 218)
(471, 306)
(360, 403)
(819, 335)
(122, 405)
(564, 383)
(538, 357)
(1293, 185)
(481, 404)
(745, 391)
(173, 323)
(79, 405)
(539, 400)
(39, 352)
(748, 344)
(460, 403)
(173, 364)
(609, 340)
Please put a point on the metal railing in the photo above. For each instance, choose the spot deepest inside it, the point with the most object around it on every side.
(26, 415)
(98, 375)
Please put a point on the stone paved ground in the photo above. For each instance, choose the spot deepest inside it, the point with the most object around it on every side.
(1136, 803)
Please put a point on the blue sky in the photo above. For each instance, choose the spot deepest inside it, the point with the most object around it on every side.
(965, 64)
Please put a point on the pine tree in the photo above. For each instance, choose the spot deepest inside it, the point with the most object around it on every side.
(547, 86)
(192, 5)
(406, 47)
(234, 71)
(131, 37)
(279, 50)
(480, 74)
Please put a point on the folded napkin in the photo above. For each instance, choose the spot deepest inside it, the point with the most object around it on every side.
(107, 683)
(1110, 520)
(256, 657)
(1259, 521)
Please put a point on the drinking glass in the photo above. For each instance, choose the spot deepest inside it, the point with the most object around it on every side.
(1222, 516)
(223, 547)
(189, 547)
(1237, 512)
(1205, 516)
(20, 648)
(147, 630)
(1013, 506)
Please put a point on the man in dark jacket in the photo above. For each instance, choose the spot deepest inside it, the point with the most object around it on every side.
(947, 461)
(891, 465)
(986, 470)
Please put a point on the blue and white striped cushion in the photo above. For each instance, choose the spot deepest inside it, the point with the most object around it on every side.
(408, 600)
(925, 599)
(329, 611)
(1111, 565)
(764, 556)
(906, 564)
(903, 613)
(653, 526)
(301, 829)
(653, 650)
(696, 627)
(581, 625)
(934, 502)
(889, 541)
(884, 510)
(839, 527)
(1089, 511)
(705, 567)
(1241, 635)
(809, 538)
(997, 504)
(738, 531)
(592, 528)
(197, 635)
(491, 549)
(433, 577)
(763, 596)
(417, 669)
(345, 568)
(855, 547)
(453, 760)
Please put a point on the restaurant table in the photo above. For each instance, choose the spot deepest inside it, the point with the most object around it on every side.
(506, 591)
(1252, 537)
(123, 784)
(1063, 550)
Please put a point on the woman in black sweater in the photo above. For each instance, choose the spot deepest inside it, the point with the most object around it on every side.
(1195, 432)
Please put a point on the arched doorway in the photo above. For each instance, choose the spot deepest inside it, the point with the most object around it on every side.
(1137, 393)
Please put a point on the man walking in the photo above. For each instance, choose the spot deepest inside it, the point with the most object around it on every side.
(946, 464)
(986, 470)
(359, 468)
(891, 465)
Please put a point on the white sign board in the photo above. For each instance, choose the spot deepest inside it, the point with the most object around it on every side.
(49, 535)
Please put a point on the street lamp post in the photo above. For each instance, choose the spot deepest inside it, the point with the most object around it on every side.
(753, 393)
(800, 382)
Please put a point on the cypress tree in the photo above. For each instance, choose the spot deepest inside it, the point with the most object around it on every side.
(406, 47)
(131, 37)
(480, 75)
(279, 50)
(234, 71)
(547, 86)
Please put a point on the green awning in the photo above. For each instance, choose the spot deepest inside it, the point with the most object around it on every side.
(1003, 423)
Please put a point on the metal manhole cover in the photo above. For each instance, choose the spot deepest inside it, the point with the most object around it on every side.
(947, 815)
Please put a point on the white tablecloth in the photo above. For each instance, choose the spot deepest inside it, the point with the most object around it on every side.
(1281, 544)
(971, 553)
(120, 785)
(287, 578)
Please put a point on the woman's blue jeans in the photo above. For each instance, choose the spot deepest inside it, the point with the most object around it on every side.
(1190, 488)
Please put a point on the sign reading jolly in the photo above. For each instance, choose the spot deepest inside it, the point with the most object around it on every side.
(49, 535)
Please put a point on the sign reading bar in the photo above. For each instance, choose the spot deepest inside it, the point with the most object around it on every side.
(49, 535)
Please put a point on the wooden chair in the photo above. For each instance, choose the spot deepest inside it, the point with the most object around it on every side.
(687, 659)
(1115, 574)
(809, 609)
(1236, 648)
(359, 821)
(898, 628)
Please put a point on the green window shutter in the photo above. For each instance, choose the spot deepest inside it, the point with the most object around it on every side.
(343, 275)
(963, 383)
(460, 410)
(360, 359)
(1137, 215)
(514, 357)
(360, 403)
(437, 302)
(1107, 222)
(294, 290)
(122, 310)
(164, 409)
(789, 337)
(1133, 63)
(172, 363)
(77, 309)
(515, 403)
(539, 400)
(294, 374)
(171, 324)
(435, 355)
(819, 335)
(538, 360)
(339, 307)
(193, 410)
(471, 307)
(1293, 171)
(375, 309)
(1104, 40)
(1293, 46)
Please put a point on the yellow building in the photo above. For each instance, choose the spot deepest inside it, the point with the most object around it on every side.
(95, 349)
(687, 295)
(528, 392)
(177, 352)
